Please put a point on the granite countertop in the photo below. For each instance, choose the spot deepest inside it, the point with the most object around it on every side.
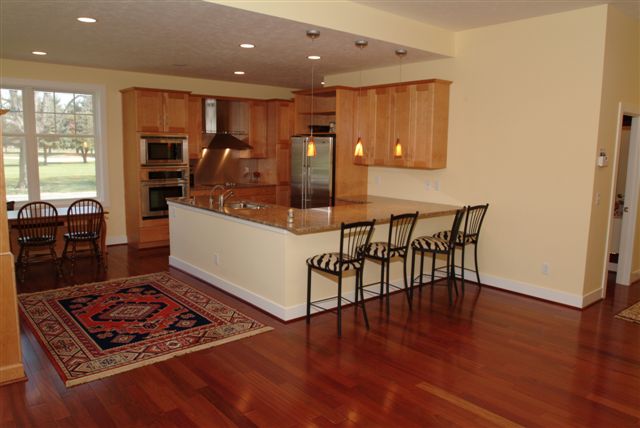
(314, 220)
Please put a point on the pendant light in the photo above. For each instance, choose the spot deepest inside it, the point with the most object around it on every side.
(311, 144)
(397, 148)
(359, 150)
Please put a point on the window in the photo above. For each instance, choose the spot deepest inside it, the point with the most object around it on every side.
(51, 143)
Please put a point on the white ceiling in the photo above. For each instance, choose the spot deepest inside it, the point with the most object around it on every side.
(194, 38)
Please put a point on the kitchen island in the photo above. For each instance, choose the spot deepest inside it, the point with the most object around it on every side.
(259, 256)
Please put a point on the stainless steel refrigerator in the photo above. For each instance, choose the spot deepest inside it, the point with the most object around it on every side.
(312, 178)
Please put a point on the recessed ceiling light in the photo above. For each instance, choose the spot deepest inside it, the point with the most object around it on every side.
(87, 20)
(38, 53)
(314, 57)
(238, 72)
(247, 45)
(322, 83)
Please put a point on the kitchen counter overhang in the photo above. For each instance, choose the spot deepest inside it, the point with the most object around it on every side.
(258, 257)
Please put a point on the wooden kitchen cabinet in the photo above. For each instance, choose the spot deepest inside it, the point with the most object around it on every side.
(258, 129)
(335, 105)
(195, 127)
(259, 193)
(416, 113)
(158, 110)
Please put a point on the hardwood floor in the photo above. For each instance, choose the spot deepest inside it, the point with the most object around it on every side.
(493, 359)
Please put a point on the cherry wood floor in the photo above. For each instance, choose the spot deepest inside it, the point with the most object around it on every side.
(492, 359)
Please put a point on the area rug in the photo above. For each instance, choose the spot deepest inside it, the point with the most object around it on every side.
(632, 313)
(97, 330)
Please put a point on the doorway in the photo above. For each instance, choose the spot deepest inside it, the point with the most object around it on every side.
(625, 194)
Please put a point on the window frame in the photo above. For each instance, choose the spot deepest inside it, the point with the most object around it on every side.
(28, 88)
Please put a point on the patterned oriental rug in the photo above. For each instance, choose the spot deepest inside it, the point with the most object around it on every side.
(632, 313)
(97, 330)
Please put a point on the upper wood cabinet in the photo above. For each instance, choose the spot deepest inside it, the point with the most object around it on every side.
(159, 110)
(415, 113)
(335, 105)
(195, 126)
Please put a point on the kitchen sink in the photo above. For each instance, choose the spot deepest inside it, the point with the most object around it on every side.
(245, 205)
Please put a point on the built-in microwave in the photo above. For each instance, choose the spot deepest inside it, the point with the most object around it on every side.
(163, 150)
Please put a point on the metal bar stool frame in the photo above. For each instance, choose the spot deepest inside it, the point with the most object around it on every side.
(399, 238)
(351, 256)
(435, 246)
(469, 235)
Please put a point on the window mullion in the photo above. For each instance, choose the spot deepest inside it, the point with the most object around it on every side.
(31, 144)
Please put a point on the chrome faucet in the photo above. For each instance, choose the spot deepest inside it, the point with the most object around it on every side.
(216, 187)
(223, 197)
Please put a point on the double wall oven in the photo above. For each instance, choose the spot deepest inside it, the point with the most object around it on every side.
(164, 173)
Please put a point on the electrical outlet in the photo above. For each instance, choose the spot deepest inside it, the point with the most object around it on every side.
(216, 259)
(436, 185)
(597, 198)
(545, 268)
(427, 185)
(377, 180)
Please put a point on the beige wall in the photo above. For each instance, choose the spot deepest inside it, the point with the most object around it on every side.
(114, 81)
(523, 131)
(621, 83)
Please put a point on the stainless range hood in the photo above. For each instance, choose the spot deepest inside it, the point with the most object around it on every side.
(217, 123)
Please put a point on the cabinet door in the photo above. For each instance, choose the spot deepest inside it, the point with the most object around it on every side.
(383, 119)
(195, 127)
(176, 107)
(402, 129)
(364, 126)
(149, 111)
(258, 129)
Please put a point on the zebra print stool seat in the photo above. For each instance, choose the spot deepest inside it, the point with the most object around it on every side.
(354, 239)
(330, 262)
(430, 243)
(397, 245)
(468, 235)
(435, 246)
(445, 234)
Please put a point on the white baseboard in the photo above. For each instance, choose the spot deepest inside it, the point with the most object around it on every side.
(116, 240)
(284, 313)
(533, 290)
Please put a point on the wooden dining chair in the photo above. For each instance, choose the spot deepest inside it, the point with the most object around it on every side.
(37, 228)
(84, 225)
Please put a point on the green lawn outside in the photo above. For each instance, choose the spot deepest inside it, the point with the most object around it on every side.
(56, 177)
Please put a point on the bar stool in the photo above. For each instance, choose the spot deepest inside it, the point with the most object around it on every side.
(84, 225)
(354, 238)
(397, 245)
(470, 234)
(435, 246)
(37, 228)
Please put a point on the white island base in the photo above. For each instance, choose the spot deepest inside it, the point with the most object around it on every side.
(264, 265)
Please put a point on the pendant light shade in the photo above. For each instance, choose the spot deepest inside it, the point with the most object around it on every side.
(359, 151)
(311, 145)
(397, 149)
(311, 148)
